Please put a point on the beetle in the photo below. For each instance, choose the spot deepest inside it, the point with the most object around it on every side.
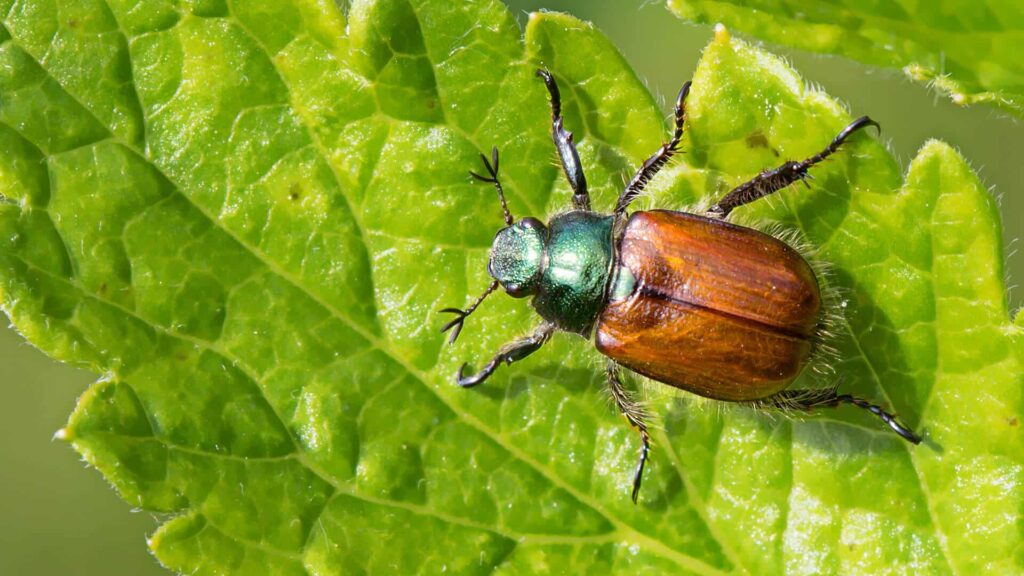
(689, 300)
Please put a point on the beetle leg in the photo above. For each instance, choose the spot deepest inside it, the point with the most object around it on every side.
(808, 400)
(635, 415)
(652, 165)
(771, 181)
(571, 165)
(509, 353)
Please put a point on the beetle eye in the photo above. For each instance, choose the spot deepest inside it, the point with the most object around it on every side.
(517, 290)
(532, 223)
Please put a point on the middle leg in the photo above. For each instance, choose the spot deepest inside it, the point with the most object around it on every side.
(635, 415)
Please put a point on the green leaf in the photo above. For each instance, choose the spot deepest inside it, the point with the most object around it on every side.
(245, 217)
(967, 50)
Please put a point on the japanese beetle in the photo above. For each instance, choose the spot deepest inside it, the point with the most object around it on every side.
(689, 300)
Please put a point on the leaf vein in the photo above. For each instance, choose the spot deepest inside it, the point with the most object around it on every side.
(946, 556)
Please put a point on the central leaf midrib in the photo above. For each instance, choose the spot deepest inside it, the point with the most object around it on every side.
(298, 454)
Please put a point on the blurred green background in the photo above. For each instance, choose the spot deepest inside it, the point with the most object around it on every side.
(58, 517)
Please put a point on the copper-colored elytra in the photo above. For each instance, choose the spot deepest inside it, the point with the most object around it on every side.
(720, 310)
(735, 270)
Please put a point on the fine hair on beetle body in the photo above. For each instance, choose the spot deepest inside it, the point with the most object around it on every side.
(695, 301)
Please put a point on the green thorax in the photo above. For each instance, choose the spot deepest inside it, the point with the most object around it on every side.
(574, 277)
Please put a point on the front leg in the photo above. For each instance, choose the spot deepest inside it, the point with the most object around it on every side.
(566, 147)
(635, 415)
(509, 353)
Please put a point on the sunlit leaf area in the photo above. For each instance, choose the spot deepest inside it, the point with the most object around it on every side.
(235, 224)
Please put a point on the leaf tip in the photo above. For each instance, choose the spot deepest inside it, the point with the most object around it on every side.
(61, 434)
(917, 72)
(721, 33)
(935, 149)
(941, 156)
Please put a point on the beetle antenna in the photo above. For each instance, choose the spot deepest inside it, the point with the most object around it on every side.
(460, 315)
(492, 169)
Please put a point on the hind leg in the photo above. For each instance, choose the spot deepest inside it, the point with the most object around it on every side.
(808, 400)
(771, 181)
(635, 415)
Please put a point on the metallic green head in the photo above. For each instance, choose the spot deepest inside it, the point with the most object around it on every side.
(517, 255)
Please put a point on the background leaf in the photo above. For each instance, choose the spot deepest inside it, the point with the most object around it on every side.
(968, 50)
(231, 239)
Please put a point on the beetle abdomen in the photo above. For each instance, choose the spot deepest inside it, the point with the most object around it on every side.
(717, 309)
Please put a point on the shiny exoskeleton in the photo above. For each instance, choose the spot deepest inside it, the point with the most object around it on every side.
(690, 300)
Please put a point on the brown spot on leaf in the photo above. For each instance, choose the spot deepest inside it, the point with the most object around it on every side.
(757, 139)
(295, 192)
